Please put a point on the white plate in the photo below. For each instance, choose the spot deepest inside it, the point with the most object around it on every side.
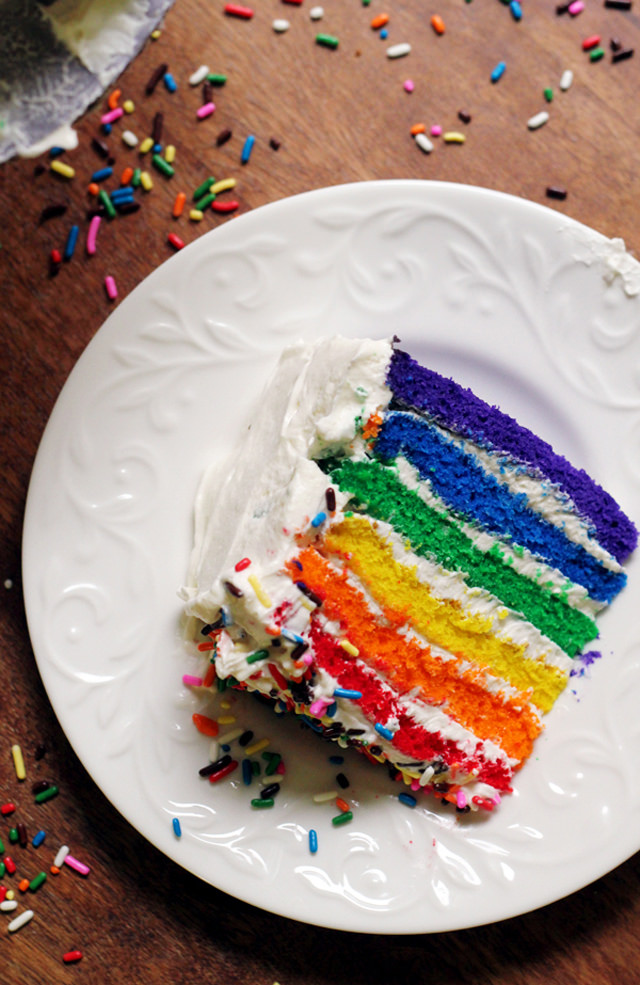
(532, 310)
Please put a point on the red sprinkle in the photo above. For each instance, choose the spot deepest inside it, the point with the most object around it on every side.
(229, 768)
(219, 206)
(176, 242)
(591, 42)
(235, 10)
(10, 865)
(244, 563)
(72, 956)
(9, 808)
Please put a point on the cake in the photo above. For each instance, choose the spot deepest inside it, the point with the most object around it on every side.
(403, 566)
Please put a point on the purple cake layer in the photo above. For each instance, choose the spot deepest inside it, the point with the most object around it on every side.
(461, 411)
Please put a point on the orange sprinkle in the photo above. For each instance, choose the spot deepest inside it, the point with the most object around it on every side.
(126, 176)
(272, 630)
(205, 725)
(342, 805)
(93, 188)
(210, 676)
(114, 98)
(379, 21)
(23, 885)
(54, 870)
(178, 204)
(437, 24)
(417, 128)
(203, 647)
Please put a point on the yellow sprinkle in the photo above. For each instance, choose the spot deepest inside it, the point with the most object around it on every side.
(349, 647)
(18, 762)
(146, 181)
(263, 598)
(10, 894)
(64, 169)
(146, 145)
(256, 747)
(325, 796)
(128, 106)
(225, 704)
(453, 137)
(170, 154)
(155, 34)
(196, 215)
(223, 186)
(226, 719)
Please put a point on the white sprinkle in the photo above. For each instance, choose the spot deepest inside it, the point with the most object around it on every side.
(63, 851)
(8, 905)
(199, 75)
(228, 737)
(538, 120)
(214, 750)
(20, 921)
(8, 583)
(321, 798)
(129, 138)
(316, 13)
(566, 80)
(280, 25)
(398, 50)
(423, 142)
(427, 776)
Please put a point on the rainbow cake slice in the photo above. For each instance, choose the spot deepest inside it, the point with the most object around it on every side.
(402, 565)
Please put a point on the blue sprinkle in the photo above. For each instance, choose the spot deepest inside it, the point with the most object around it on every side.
(38, 838)
(177, 830)
(56, 151)
(72, 239)
(331, 710)
(157, 148)
(383, 731)
(122, 194)
(516, 10)
(408, 799)
(498, 71)
(292, 637)
(170, 82)
(318, 519)
(343, 692)
(247, 148)
(312, 725)
(313, 841)
(101, 174)
(384, 34)
(337, 760)
(225, 615)
(225, 747)
(107, 128)
(247, 772)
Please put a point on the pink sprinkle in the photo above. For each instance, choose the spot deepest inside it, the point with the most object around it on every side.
(77, 866)
(409, 86)
(307, 659)
(191, 681)
(112, 115)
(206, 110)
(576, 7)
(318, 707)
(281, 769)
(92, 234)
(415, 785)
(436, 130)
(110, 287)
(461, 800)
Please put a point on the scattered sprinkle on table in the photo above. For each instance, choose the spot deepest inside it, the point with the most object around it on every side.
(399, 50)
(537, 121)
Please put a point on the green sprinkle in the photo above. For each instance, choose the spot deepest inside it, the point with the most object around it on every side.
(163, 166)
(205, 202)
(37, 881)
(216, 79)
(596, 54)
(203, 188)
(255, 767)
(342, 818)
(273, 761)
(548, 95)
(105, 201)
(45, 795)
(135, 180)
(258, 655)
(262, 802)
(13, 835)
(3, 867)
(328, 40)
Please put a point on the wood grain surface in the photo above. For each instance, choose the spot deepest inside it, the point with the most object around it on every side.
(339, 115)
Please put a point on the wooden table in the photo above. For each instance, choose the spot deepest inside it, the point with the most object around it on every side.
(337, 115)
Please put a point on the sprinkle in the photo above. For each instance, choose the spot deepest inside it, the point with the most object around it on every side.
(22, 834)
(10, 865)
(230, 206)
(464, 116)
(308, 592)
(399, 50)
(436, 130)
(342, 780)
(20, 921)
(247, 772)
(313, 841)
(228, 720)
(214, 767)
(316, 13)
(408, 85)
(178, 205)
(110, 287)
(126, 176)
(349, 647)
(342, 818)
(71, 956)
(129, 106)
(618, 4)
(48, 794)
(63, 851)
(205, 725)
(537, 121)
(223, 137)
(566, 80)
(7, 905)
(177, 830)
(261, 595)
(170, 83)
(280, 25)
(327, 40)
(516, 10)
(146, 145)
(407, 799)
(7, 808)
(423, 143)
(453, 137)
(591, 42)
(170, 154)
(190, 680)
(18, 762)
(622, 55)
(437, 24)
(224, 771)
(23, 885)
(235, 10)
(205, 110)
(199, 75)
(52, 212)
(216, 79)
(342, 805)
(319, 519)
(257, 655)
(379, 21)
(92, 234)
(461, 799)
(162, 166)
(383, 731)
(216, 188)
(65, 170)
(233, 589)
(114, 98)
(271, 790)
(576, 8)
(260, 802)
(343, 692)
(498, 71)
(38, 838)
(596, 54)
(196, 215)
(174, 240)
(77, 866)
(548, 95)
(37, 881)
(257, 747)
(247, 148)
